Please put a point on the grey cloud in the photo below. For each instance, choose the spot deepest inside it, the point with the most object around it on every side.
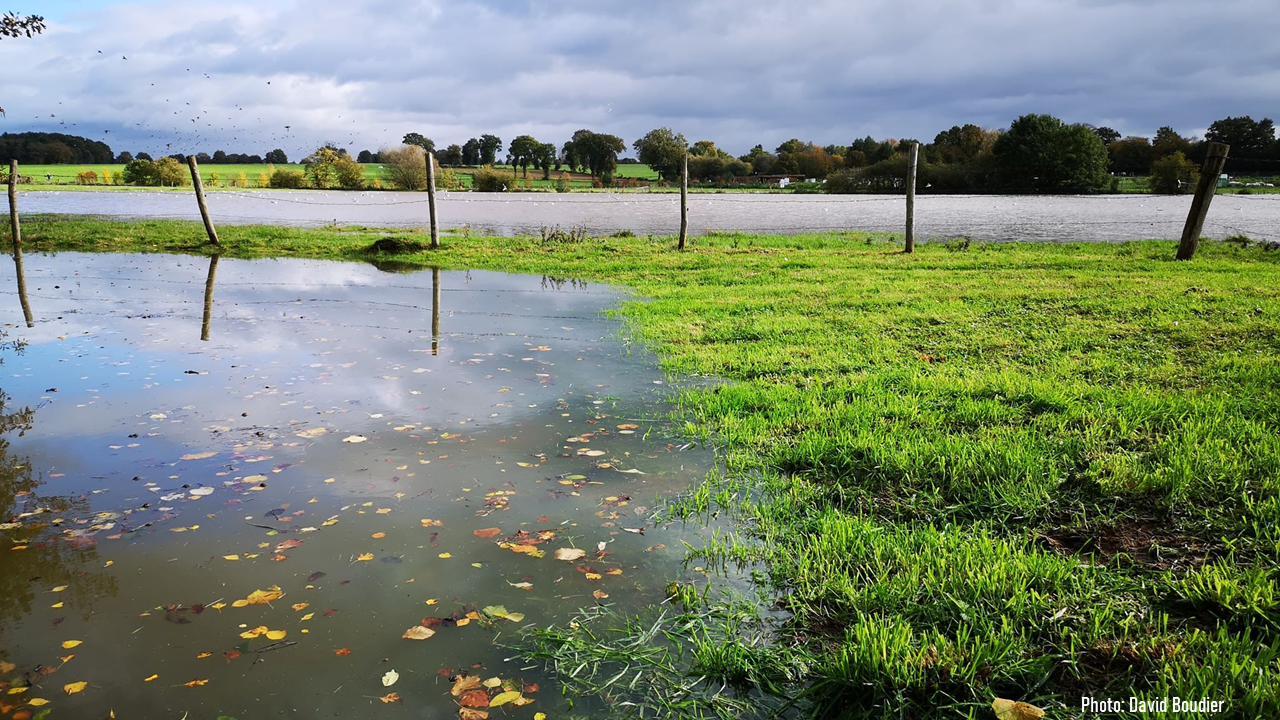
(739, 73)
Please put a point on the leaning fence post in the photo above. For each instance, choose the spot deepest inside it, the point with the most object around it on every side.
(1213, 164)
(16, 226)
(912, 161)
(684, 201)
(204, 209)
(431, 200)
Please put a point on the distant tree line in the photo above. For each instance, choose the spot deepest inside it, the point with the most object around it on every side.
(40, 148)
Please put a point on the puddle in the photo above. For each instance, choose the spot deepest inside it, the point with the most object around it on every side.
(354, 465)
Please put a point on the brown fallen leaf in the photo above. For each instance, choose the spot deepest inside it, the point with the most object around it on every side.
(464, 684)
(474, 699)
(570, 554)
(390, 698)
(289, 544)
(198, 682)
(472, 714)
(486, 533)
(342, 652)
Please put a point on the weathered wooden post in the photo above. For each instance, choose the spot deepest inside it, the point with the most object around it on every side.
(16, 226)
(912, 160)
(684, 201)
(431, 200)
(435, 311)
(208, 297)
(1213, 164)
(204, 209)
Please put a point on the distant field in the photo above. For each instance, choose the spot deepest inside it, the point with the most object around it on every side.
(230, 176)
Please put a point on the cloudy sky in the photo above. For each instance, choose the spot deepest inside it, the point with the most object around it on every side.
(192, 75)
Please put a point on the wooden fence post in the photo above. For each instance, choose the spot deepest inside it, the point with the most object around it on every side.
(431, 200)
(1213, 164)
(204, 209)
(435, 311)
(16, 226)
(912, 161)
(684, 201)
(208, 297)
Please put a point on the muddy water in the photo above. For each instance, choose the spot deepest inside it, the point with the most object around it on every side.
(328, 458)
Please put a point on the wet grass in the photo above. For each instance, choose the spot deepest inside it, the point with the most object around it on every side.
(1020, 470)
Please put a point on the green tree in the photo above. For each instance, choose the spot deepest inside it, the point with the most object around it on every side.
(1249, 139)
(597, 152)
(707, 148)
(451, 155)
(1106, 135)
(471, 152)
(762, 161)
(139, 172)
(1173, 175)
(662, 150)
(489, 146)
(524, 152)
(329, 166)
(277, 156)
(1040, 152)
(1167, 142)
(421, 141)
(1131, 155)
(962, 144)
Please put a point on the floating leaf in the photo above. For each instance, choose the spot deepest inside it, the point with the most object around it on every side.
(75, 687)
(60, 588)
(428, 522)
(390, 678)
(342, 652)
(464, 684)
(230, 557)
(492, 682)
(446, 555)
(276, 634)
(418, 632)
(262, 597)
(570, 554)
(486, 533)
(37, 702)
(390, 698)
(198, 456)
(1013, 710)
(68, 644)
(7, 667)
(523, 549)
(472, 714)
(379, 535)
(204, 655)
(199, 682)
(299, 607)
(201, 491)
(313, 432)
(289, 544)
(19, 690)
(503, 698)
(364, 557)
(149, 679)
(354, 439)
(474, 699)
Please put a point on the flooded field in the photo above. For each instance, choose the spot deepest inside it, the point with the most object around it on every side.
(335, 505)
(1054, 218)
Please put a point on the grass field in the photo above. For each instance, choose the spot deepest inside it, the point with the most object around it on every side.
(1028, 471)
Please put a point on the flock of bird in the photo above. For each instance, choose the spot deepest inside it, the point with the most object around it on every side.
(206, 132)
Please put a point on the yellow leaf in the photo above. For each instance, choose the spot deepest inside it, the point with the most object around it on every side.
(262, 597)
(67, 658)
(365, 557)
(149, 679)
(75, 687)
(60, 588)
(1012, 710)
(504, 698)
(276, 634)
(432, 601)
(307, 617)
(299, 607)
(492, 682)
(230, 557)
(390, 698)
(594, 576)
(539, 716)
(196, 683)
(204, 655)
(19, 690)
(56, 605)
(68, 644)
(37, 702)
(240, 603)
(446, 555)
(218, 605)
(7, 667)
(463, 621)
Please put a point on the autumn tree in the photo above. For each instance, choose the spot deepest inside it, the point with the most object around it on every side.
(15, 25)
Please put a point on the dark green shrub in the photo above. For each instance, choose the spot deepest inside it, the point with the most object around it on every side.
(1174, 174)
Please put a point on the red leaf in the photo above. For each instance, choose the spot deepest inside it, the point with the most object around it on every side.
(474, 698)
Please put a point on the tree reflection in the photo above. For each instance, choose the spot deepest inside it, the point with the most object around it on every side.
(36, 553)
(208, 297)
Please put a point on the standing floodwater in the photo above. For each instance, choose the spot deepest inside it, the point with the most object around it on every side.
(325, 509)
(1050, 218)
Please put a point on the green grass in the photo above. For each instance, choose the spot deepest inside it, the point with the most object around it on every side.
(1023, 470)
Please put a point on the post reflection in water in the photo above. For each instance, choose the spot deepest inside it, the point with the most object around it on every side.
(22, 285)
(208, 297)
(435, 311)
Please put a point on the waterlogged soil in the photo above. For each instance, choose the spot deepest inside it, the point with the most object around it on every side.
(321, 510)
